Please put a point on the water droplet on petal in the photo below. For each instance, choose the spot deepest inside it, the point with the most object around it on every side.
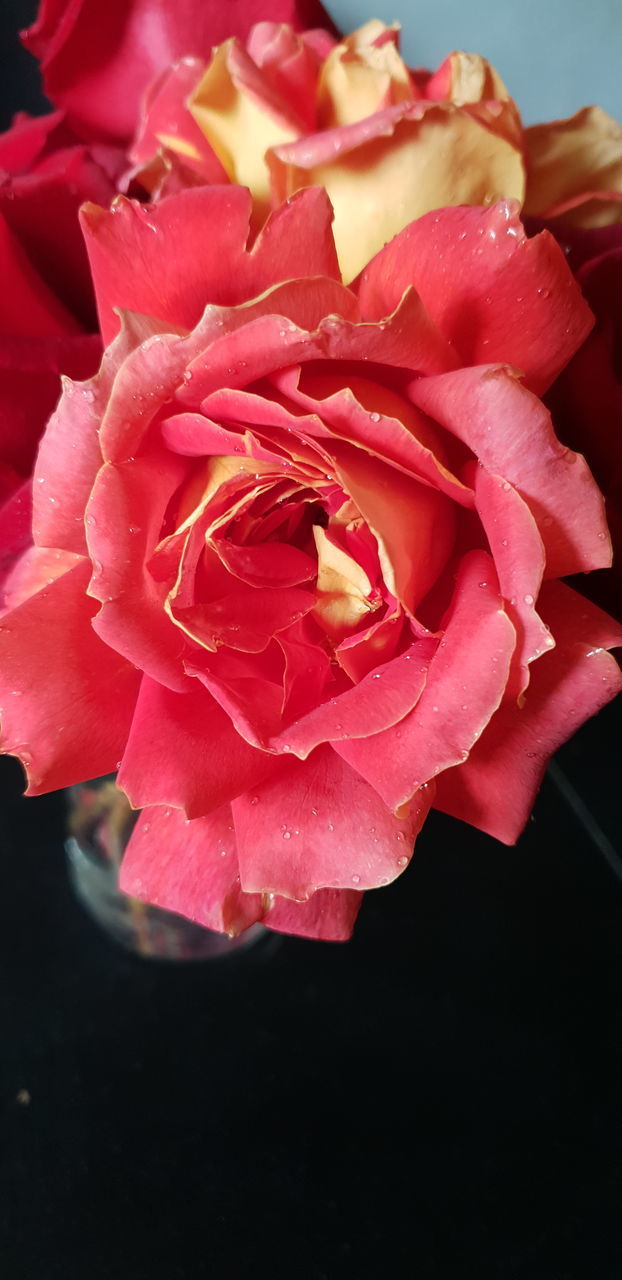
(356, 879)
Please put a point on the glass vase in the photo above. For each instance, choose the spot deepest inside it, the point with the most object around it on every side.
(101, 822)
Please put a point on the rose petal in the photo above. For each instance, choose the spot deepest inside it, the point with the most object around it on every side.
(496, 787)
(492, 292)
(465, 685)
(518, 555)
(328, 915)
(182, 750)
(241, 113)
(364, 710)
(244, 620)
(320, 826)
(123, 521)
(571, 161)
(67, 699)
(510, 431)
(190, 868)
(166, 122)
(394, 166)
(389, 432)
(144, 258)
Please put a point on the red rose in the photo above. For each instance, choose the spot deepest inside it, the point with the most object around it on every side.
(308, 548)
(47, 308)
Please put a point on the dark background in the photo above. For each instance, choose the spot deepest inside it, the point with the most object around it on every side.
(438, 1098)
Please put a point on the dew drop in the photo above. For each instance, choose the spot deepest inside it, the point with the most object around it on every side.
(331, 826)
(528, 599)
(356, 879)
(374, 417)
(402, 861)
(287, 835)
(255, 800)
(16, 693)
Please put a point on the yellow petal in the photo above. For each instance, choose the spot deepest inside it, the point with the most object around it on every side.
(362, 74)
(434, 155)
(241, 116)
(571, 161)
(342, 587)
(474, 80)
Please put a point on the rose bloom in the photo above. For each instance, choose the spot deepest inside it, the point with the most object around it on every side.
(283, 104)
(284, 110)
(48, 319)
(308, 542)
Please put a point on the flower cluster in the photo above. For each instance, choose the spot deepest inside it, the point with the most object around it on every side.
(296, 553)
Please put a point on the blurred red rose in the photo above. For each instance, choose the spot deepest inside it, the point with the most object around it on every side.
(308, 548)
(48, 319)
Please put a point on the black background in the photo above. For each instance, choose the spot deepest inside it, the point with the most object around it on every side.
(439, 1097)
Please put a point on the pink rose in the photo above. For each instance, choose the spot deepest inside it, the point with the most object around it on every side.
(308, 546)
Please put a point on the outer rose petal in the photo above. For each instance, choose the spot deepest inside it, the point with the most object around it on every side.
(35, 569)
(329, 915)
(518, 554)
(100, 81)
(492, 292)
(67, 699)
(124, 518)
(70, 446)
(496, 787)
(321, 826)
(465, 685)
(574, 169)
(190, 868)
(395, 166)
(510, 431)
(182, 750)
(144, 257)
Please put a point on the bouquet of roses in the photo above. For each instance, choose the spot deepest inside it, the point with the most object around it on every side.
(289, 552)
